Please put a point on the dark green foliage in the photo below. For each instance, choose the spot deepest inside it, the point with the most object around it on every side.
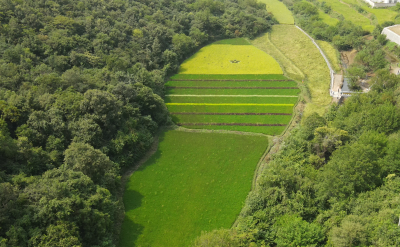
(334, 180)
(80, 96)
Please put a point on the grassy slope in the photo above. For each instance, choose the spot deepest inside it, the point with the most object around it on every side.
(331, 53)
(280, 11)
(194, 182)
(216, 59)
(350, 14)
(327, 18)
(264, 43)
(382, 14)
(303, 53)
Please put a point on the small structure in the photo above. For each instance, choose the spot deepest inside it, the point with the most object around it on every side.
(392, 33)
(382, 3)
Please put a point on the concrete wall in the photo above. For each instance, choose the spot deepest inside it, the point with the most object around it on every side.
(390, 35)
(381, 3)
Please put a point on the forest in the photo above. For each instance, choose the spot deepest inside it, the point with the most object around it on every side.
(334, 180)
(81, 87)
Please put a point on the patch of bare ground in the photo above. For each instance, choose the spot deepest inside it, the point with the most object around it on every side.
(348, 56)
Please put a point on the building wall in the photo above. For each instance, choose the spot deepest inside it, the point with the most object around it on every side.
(390, 35)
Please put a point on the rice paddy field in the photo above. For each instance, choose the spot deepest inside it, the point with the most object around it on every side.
(381, 14)
(327, 18)
(229, 57)
(299, 49)
(195, 181)
(257, 100)
(279, 10)
(331, 53)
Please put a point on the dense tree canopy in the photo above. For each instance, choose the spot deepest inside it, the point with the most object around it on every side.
(81, 86)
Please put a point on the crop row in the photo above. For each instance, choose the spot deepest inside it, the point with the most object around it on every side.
(232, 124)
(233, 87)
(228, 77)
(231, 83)
(230, 108)
(228, 113)
(268, 130)
(232, 93)
(231, 100)
(250, 119)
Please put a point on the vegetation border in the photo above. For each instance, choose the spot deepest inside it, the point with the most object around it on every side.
(226, 113)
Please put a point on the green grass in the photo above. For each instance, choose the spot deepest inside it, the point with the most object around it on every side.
(194, 182)
(275, 119)
(237, 41)
(328, 19)
(231, 109)
(268, 130)
(303, 53)
(382, 14)
(176, 91)
(231, 100)
(331, 53)
(231, 84)
(279, 10)
(229, 77)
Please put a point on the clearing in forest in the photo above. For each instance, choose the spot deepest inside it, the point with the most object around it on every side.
(256, 98)
(194, 182)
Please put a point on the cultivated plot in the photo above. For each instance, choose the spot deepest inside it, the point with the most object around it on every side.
(230, 59)
(279, 10)
(194, 182)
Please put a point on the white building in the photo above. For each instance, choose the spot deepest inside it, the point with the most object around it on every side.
(392, 33)
(382, 3)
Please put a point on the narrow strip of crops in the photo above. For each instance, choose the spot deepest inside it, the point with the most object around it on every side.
(231, 92)
(226, 80)
(268, 130)
(228, 77)
(250, 119)
(229, 108)
(233, 87)
(227, 95)
(231, 100)
(231, 83)
(230, 104)
(228, 113)
(231, 124)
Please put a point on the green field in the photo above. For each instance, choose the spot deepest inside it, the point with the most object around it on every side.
(279, 10)
(382, 14)
(230, 59)
(331, 53)
(242, 92)
(194, 182)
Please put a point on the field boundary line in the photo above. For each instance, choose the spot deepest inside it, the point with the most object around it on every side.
(230, 95)
(222, 104)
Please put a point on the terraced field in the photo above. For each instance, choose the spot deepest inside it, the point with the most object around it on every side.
(250, 102)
